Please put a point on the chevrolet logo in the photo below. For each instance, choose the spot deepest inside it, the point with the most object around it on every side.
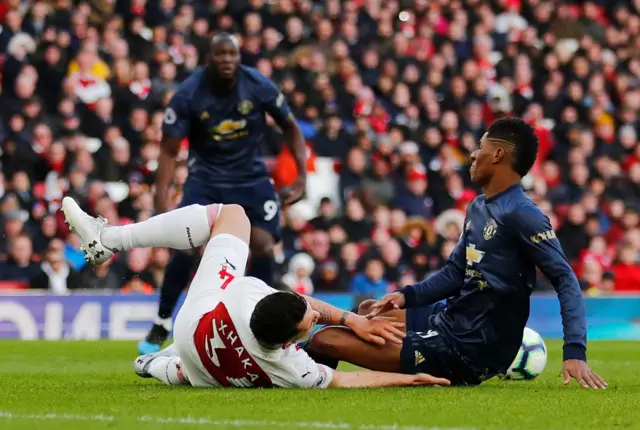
(473, 255)
(228, 126)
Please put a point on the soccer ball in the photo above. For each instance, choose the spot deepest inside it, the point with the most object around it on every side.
(531, 358)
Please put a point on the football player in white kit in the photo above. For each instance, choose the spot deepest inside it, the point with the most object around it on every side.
(233, 330)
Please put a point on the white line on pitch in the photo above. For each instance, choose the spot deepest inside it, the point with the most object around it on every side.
(239, 423)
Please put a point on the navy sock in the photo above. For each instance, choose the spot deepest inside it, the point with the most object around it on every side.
(176, 278)
(262, 268)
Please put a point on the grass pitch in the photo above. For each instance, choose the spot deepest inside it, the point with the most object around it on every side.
(91, 385)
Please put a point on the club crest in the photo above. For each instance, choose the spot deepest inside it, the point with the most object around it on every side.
(245, 107)
(490, 229)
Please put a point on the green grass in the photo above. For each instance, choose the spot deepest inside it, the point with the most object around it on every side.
(90, 385)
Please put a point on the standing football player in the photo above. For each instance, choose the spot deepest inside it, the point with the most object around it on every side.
(487, 280)
(221, 109)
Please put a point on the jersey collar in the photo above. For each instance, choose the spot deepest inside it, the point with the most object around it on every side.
(513, 188)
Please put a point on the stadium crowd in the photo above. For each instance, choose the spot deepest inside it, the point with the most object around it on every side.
(397, 92)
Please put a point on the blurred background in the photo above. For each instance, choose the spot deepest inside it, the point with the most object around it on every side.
(392, 97)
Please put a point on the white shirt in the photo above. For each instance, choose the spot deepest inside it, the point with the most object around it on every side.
(219, 348)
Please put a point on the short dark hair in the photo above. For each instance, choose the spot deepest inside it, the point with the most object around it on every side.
(275, 319)
(522, 136)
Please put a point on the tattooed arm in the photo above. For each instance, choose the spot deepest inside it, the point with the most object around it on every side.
(330, 315)
(371, 330)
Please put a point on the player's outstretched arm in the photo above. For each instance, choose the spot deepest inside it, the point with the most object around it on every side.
(375, 331)
(537, 237)
(370, 379)
(445, 283)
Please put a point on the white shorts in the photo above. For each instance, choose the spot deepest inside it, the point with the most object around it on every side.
(224, 259)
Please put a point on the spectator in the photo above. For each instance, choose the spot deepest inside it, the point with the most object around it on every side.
(56, 275)
(326, 216)
(19, 266)
(356, 225)
(137, 278)
(378, 187)
(370, 284)
(48, 231)
(398, 105)
(159, 260)
(412, 197)
(298, 278)
(13, 226)
(100, 277)
(394, 267)
(627, 270)
(333, 140)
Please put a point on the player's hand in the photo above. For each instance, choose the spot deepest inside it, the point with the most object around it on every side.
(425, 379)
(297, 191)
(377, 330)
(386, 304)
(580, 371)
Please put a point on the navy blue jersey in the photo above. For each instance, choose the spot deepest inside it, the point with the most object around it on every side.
(489, 278)
(225, 131)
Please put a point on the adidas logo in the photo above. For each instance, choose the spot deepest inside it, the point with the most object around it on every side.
(419, 358)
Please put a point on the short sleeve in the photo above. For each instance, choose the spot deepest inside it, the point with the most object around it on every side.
(176, 117)
(275, 103)
(301, 371)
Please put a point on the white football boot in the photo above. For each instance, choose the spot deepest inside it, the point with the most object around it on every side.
(88, 229)
(141, 364)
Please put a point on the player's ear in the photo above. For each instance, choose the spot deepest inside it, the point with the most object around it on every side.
(498, 155)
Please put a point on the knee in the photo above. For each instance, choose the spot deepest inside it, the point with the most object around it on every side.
(325, 341)
(232, 211)
(365, 307)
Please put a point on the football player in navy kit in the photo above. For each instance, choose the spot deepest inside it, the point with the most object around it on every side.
(221, 109)
(486, 282)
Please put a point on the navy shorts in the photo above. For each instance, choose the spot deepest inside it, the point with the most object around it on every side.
(419, 319)
(260, 202)
(426, 350)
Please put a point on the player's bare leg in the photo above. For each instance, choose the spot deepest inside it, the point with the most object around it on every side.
(261, 246)
(340, 343)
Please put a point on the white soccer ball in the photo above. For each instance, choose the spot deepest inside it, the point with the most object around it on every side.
(531, 358)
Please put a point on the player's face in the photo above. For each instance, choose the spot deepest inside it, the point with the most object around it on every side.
(308, 322)
(225, 59)
(482, 162)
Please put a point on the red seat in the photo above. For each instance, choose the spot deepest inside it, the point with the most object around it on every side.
(13, 285)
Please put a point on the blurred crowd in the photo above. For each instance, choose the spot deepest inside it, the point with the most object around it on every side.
(397, 92)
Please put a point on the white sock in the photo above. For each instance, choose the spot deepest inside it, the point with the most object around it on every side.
(167, 323)
(168, 370)
(183, 228)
